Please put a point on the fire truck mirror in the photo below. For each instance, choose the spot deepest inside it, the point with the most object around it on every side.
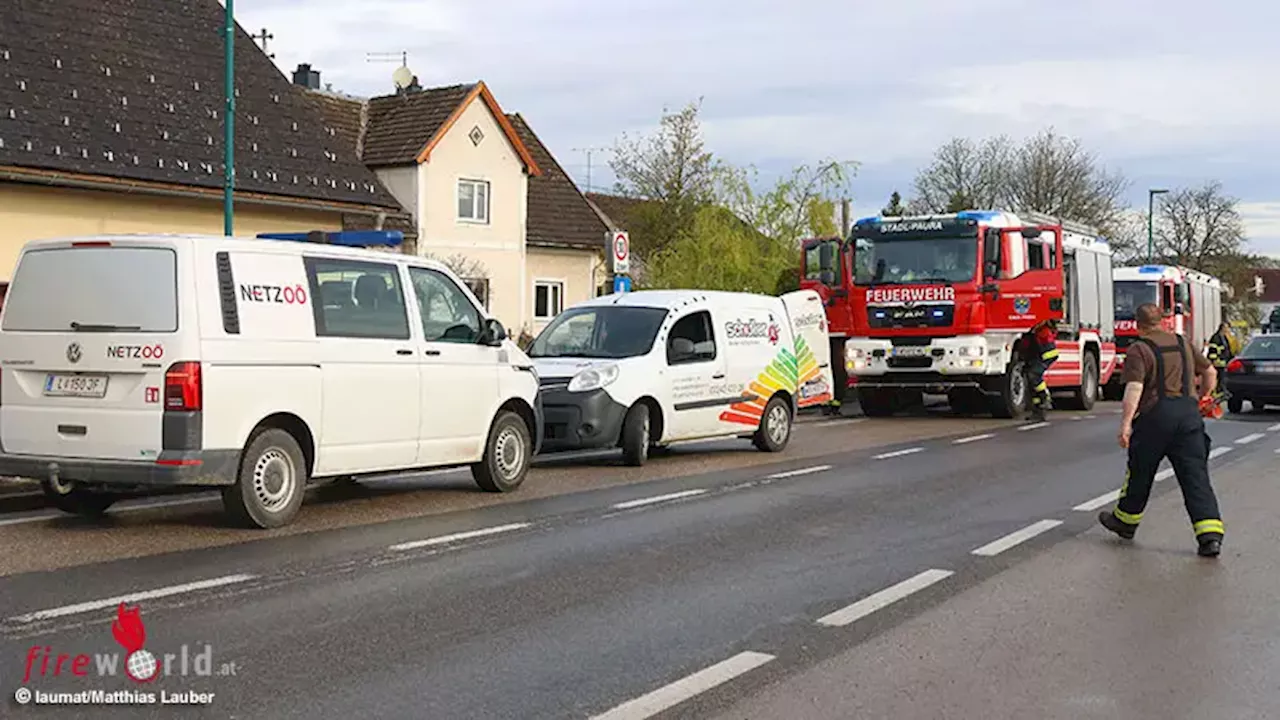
(827, 277)
(1178, 309)
(1031, 233)
(1181, 294)
(991, 254)
(826, 258)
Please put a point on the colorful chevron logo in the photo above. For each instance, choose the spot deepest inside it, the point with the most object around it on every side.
(789, 371)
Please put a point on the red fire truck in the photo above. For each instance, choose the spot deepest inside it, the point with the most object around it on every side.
(943, 304)
(1191, 302)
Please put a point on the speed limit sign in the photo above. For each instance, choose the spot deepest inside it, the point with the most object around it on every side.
(620, 252)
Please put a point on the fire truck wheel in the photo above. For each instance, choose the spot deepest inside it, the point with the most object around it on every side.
(876, 403)
(1087, 394)
(1013, 398)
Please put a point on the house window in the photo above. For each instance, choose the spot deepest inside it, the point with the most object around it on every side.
(480, 288)
(548, 299)
(473, 201)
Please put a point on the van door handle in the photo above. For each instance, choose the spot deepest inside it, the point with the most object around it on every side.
(402, 351)
(718, 377)
(431, 352)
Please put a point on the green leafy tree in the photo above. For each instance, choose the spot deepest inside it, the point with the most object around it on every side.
(721, 252)
(895, 208)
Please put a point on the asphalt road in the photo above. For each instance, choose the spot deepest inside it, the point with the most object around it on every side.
(687, 592)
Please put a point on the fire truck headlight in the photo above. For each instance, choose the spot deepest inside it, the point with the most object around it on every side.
(970, 351)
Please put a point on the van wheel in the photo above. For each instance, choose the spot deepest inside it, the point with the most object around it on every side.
(75, 499)
(775, 426)
(271, 483)
(506, 455)
(636, 435)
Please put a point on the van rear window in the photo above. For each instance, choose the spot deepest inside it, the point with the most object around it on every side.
(103, 289)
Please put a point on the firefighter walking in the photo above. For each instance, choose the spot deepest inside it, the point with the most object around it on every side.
(1043, 353)
(1162, 419)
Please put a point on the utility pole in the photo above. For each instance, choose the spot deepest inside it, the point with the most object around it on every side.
(229, 123)
(589, 151)
(1151, 216)
(264, 36)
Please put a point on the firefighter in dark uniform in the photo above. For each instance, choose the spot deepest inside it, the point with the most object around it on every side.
(1043, 353)
(1160, 390)
(1219, 351)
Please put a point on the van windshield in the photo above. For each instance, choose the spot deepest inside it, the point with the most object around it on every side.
(94, 289)
(600, 332)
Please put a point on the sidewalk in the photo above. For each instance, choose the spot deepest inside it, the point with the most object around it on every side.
(1092, 628)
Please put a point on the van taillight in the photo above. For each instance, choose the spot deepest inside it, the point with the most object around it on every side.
(183, 390)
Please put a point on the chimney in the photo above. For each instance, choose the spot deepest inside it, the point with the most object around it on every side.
(306, 77)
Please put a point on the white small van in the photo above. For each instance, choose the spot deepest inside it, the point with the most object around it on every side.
(254, 364)
(644, 369)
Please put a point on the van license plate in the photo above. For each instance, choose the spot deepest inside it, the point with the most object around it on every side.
(911, 351)
(93, 386)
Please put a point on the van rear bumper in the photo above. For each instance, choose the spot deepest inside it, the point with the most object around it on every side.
(171, 469)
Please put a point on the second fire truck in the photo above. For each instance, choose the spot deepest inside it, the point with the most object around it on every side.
(1190, 301)
(945, 303)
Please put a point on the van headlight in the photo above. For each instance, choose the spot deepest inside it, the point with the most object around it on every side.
(593, 378)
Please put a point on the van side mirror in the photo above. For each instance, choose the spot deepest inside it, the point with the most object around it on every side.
(493, 333)
(991, 254)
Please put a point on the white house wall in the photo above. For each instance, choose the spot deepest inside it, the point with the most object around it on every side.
(497, 244)
(402, 183)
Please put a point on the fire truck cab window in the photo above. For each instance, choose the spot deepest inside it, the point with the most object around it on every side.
(919, 260)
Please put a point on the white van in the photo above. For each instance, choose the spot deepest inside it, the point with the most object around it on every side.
(257, 365)
(643, 369)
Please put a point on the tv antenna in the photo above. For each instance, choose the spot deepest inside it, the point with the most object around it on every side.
(589, 151)
(403, 76)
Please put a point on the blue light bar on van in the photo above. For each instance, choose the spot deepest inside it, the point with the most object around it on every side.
(1151, 269)
(349, 238)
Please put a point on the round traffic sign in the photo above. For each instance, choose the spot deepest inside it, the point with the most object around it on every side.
(620, 246)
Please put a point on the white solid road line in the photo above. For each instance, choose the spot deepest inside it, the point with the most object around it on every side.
(1249, 438)
(668, 696)
(898, 453)
(446, 539)
(656, 499)
(1094, 504)
(131, 598)
(1090, 417)
(1016, 538)
(974, 438)
(883, 599)
(801, 471)
(1218, 452)
(1034, 426)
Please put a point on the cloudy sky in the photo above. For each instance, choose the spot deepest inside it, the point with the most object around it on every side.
(1169, 92)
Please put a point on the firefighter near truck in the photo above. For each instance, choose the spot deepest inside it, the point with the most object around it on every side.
(1190, 302)
(949, 304)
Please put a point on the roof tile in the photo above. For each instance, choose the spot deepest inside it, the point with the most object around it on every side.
(400, 126)
(558, 213)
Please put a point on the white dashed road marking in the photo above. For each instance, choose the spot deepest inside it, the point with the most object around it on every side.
(801, 471)
(1094, 504)
(974, 438)
(656, 499)
(1274, 428)
(1250, 438)
(884, 598)
(1218, 452)
(1016, 538)
(668, 696)
(446, 539)
(898, 453)
(131, 597)
(1164, 474)
(1034, 426)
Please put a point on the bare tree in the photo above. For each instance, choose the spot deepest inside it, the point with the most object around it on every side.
(1199, 226)
(963, 172)
(1047, 173)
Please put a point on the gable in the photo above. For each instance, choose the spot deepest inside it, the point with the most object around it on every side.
(558, 214)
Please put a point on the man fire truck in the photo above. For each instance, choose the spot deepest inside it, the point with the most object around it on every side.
(1190, 301)
(945, 304)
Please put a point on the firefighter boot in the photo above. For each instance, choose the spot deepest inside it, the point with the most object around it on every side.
(1116, 525)
(1210, 545)
(1037, 409)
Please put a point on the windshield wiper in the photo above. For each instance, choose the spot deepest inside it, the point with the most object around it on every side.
(93, 327)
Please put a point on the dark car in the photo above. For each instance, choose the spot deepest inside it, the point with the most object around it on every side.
(1254, 374)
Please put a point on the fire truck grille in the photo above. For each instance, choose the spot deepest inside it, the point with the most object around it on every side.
(910, 316)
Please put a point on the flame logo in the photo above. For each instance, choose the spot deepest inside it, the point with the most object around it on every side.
(128, 630)
(773, 334)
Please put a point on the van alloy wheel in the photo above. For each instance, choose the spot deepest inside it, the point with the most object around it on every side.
(779, 424)
(774, 431)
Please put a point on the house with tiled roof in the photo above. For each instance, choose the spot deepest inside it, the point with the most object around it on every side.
(111, 120)
(485, 194)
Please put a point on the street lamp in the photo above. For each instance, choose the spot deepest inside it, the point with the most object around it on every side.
(229, 121)
(1151, 214)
